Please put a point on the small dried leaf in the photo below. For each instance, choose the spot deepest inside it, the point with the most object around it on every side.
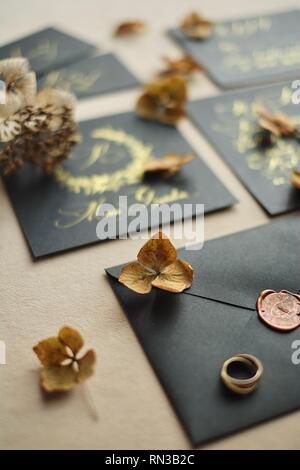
(71, 338)
(129, 28)
(167, 166)
(58, 378)
(196, 26)
(58, 374)
(295, 178)
(163, 100)
(157, 266)
(86, 366)
(136, 277)
(176, 277)
(277, 124)
(184, 66)
(50, 351)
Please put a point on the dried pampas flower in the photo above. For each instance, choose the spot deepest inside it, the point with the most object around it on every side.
(196, 26)
(157, 266)
(184, 66)
(40, 130)
(130, 28)
(295, 178)
(62, 367)
(277, 124)
(163, 100)
(167, 166)
(20, 91)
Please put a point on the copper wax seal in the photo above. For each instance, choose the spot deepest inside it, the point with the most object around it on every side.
(280, 310)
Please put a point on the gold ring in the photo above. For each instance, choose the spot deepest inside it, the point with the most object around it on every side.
(242, 386)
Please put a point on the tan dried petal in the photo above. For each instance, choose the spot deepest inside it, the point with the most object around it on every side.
(185, 66)
(163, 100)
(169, 165)
(196, 26)
(175, 277)
(278, 123)
(129, 28)
(157, 253)
(86, 366)
(58, 378)
(50, 351)
(9, 129)
(137, 278)
(55, 100)
(71, 338)
(295, 178)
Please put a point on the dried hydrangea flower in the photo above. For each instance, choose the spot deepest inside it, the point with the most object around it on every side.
(196, 26)
(277, 124)
(167, 166)
(184, 66)
(163, 100)
(20, 91)
(62, 367)
(37, 128)
(157, 266)
(295, 178)
(130, 28)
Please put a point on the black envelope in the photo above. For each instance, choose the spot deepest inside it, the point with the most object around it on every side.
(188, 336)
(230, 123)
(91, 76)
(47, 49)
(59, 212)
(247, 51)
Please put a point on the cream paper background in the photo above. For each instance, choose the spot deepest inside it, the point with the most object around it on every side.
(37, 298)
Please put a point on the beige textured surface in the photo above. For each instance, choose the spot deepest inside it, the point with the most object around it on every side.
(37, 298)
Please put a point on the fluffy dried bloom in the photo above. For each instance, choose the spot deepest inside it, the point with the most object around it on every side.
(163, 100)
(167, 166)
(20, 91)
(184, 66)
(277, 124)
(157, 266)
(62, 367)
(295, 178)
(196, 26)
(130, 28)
(46, 132)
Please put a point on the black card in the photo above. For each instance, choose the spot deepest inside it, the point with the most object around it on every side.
(47, 49)
(188, 336)
(91, 76)
(58, 212)
(250, 50)
(229, 122)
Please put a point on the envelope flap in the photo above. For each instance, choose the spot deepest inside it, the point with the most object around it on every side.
(236, 268)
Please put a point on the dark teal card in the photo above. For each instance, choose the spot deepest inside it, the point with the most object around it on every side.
(47, 49)
(250, 50)
(91, 76)
(230, 122)
(58, 212)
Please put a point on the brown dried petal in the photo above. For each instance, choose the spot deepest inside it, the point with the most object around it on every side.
(168, 165)
(71, 338)
(196, 26)
(50, 351)
(9, 129)
(157, 253)
(86, 366)
(128, 28)
(185, 66)
(175, 277)
(295, 178)
(58, 378)
(277, 123)
(137, 278)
